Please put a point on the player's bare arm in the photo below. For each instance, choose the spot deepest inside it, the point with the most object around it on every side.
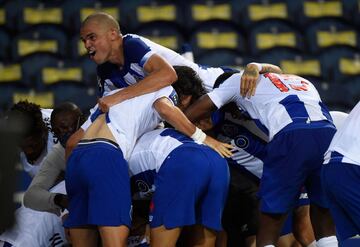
(251, 75)
(174, 116)
(200, 109)
(160, 74)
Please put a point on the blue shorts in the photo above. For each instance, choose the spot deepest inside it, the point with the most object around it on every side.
(191, 188)
(294, 159)
(341, 183)
(98, 185)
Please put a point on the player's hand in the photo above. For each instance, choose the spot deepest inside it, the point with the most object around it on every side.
(249, 80)
(106, 102)
(224, 149)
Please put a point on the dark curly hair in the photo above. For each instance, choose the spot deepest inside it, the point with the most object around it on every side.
(188, 83)
(30, 116)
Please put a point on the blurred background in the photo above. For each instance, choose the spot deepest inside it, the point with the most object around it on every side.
(43, 60)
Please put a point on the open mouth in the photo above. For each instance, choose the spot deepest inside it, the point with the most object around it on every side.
(91, 53)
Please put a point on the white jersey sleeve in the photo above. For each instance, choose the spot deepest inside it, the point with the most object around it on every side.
(338, 118)
(347, 139)
(227, 92)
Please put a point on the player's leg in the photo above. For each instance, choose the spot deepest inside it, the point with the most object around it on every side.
(163, 237)
(84, 237)
(302, 228)
(114, 236)
(201, 237)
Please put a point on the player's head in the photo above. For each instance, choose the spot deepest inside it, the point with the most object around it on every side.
(35, 132)
(100, 33)
(65, 120)
(188, 86)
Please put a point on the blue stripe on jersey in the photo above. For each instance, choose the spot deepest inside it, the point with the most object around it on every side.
(142, 183)
(145, 58)
(134, 49)
(335, 156)
(295, 108)
(94, 116)
(113, 73)
(176, 135)
(217, 117)
(325, 111)
(107, 117)
(261, 126)
(174, 97)
(7, 244)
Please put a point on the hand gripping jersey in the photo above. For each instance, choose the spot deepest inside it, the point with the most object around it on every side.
(279, 100)
(130, 119)
(347, 139)
(137, 51)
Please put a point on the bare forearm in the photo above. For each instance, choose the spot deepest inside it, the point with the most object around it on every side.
(270, 68)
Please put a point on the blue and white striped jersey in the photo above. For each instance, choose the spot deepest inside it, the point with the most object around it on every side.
(279, 100)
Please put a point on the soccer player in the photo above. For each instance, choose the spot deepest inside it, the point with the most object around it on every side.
(97, 179)
(289, 109)
(35, 228)
(140, 65)
(38, 138)
(341, 176)
(188, 191)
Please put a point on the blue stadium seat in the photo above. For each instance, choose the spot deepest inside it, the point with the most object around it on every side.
(340, 63)
(39, 39)
(89, 71)
(294, 62)
(76, 11)
(85, 97)
(141, 12)
(254, 11)
(4, 45)
(272, 34)
(34, 12)
(200, 11)
(307, 11)
(352, 12)
(164, 34)
(336, 96)
(215, 35)
(223, 58)
(324, 34)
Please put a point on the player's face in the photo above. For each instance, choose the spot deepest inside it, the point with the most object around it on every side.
(97, 41)
(32, 147)
(64, 125)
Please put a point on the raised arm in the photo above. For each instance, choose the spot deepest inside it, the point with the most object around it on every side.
(174, 116)
(251, 74)
(160, 74)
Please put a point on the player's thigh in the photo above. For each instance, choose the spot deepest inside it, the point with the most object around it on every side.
(84, 237)
(114, 235)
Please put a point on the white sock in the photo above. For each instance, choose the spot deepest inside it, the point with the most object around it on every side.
(269, 245)
(313, 244)
(327, 242)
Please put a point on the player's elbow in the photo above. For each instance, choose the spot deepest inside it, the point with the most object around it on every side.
(170, 77)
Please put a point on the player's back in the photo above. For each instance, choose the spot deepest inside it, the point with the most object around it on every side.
(279, 100)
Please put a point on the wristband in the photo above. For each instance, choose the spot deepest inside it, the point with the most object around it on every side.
(258, 65)
(198, 136)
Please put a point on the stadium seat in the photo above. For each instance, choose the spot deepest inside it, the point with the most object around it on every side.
(32, 12)
(164, 34)
(294, 62)
(43, 98)
(328, 33)
(89, 71)
(223, 57)
(39, 39)
(273, 33)
(85, 97)
(200, 11)
(4, 45)
(143, 12)
(335, 96)
(76, 11)
(254, 11)
(215, 35)
(340, 63)
(307, 11)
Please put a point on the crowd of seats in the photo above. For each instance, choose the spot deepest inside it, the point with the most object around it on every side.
(42, 58)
